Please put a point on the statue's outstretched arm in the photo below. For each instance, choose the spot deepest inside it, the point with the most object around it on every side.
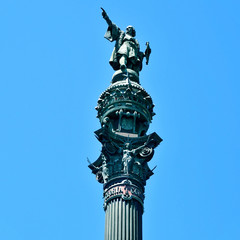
(137, 150)
(105, 16)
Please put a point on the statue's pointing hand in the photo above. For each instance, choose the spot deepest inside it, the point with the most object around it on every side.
(104, 14)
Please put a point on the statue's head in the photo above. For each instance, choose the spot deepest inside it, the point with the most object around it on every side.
(127, 145)
(131, 30)
(103, 157)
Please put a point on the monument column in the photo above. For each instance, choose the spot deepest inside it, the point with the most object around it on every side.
(125, 111)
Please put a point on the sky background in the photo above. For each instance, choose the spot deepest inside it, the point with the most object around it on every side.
(54, 66)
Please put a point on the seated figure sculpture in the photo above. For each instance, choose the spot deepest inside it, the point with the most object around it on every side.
(126, 53)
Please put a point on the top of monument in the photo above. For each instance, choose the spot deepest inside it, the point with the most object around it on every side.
(126, 53)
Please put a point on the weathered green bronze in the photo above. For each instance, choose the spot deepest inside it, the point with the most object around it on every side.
(125, 111)
(126, 53)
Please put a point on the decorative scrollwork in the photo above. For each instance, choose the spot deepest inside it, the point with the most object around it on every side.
(146, 152)
(110, 148)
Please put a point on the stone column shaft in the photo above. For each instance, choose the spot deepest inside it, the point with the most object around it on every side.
(123, 220)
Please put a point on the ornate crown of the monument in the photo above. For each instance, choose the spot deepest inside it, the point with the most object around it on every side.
(126, 106)
(125, 111)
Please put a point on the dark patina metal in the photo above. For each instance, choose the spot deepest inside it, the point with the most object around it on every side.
(125, 111)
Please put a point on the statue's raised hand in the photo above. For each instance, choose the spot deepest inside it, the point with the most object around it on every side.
(104, 14)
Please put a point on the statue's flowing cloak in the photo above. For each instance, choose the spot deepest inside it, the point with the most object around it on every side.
(125, 45)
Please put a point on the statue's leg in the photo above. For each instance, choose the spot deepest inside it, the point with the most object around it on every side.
(123, 62)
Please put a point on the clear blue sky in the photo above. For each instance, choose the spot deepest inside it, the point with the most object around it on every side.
(53, 67)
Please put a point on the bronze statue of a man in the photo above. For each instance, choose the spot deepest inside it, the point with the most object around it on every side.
(126, 53)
